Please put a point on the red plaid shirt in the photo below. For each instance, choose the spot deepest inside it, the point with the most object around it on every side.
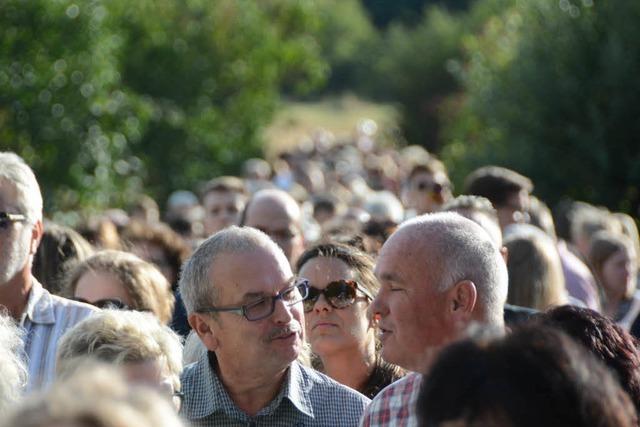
(395, 405)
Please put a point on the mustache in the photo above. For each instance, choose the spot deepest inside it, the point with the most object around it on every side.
(292, 328)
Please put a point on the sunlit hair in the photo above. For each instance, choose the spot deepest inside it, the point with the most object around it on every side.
(197, 286)
(121, 337)
(459, 249)
(536, 279)
(148, 289)
(605, 244)
(479, 210)
(13, 372)
(14, 169)
(95, 396)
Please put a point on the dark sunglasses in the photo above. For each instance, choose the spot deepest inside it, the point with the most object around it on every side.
(432, 187)
(8, 218)
(339, 294)
(112, 303)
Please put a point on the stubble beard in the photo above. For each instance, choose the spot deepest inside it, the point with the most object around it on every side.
(13, 258)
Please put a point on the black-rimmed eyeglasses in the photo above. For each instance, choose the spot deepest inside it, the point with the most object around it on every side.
(7, 218)
(264, 307)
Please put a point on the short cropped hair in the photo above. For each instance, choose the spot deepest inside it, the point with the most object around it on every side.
(147, 287)
(535, 376)
(479, 205)
(462, 250)
(196, 281)
(14, 169)
(96, 396)
(121, 337)
(13, 371)
(496, 184)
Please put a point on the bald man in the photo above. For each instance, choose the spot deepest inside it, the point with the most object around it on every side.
(277, 214)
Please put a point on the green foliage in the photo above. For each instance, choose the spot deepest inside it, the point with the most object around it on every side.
(551, 90)
(105, 98)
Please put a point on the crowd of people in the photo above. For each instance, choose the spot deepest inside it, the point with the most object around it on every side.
(341, 284)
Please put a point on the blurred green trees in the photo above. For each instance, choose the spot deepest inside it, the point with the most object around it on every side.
(105, 97)
(551, 89)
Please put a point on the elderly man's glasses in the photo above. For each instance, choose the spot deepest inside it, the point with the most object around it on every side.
(339, 294)
(264, 307)
(7, 219)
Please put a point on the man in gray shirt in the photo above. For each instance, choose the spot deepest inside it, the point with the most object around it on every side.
(245, 305)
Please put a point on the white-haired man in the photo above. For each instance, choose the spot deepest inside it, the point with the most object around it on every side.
(43, 316)
(246, 306)
(439, 273)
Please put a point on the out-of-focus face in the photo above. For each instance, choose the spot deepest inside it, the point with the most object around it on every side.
(514, 210)
(425, 192)
(413, 314)
(279, 223)
(222, 209)
(153, 374)
(15, 236)
(95, 286)
(268, 344)
(155, 255)
(619, 273)
(329, 329)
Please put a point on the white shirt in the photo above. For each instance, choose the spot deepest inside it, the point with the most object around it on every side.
(45, 319)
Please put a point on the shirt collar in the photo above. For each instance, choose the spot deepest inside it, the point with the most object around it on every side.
(39, 307)
(209, 395)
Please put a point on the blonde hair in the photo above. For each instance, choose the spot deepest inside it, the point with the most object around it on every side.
(96, 396)
(536, 278)
(121, 337)
(147, 287)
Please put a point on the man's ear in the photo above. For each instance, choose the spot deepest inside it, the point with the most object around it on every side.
(462, 299)
(199, 323)
(36, 235)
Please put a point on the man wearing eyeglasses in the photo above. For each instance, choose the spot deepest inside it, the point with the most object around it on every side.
(246, 306)
(43, 316)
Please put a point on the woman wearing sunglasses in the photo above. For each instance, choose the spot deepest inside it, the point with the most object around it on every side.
(342, 338)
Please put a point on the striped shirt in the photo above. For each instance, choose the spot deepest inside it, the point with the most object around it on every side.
(395, 405)
(307, 398)
(45, 320)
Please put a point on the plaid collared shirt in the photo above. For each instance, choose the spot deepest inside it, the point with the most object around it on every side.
(45, 319)
(395, 405)
(307, 398)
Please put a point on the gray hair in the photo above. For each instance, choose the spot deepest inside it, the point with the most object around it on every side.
(459, 249)
(14, 169)
(13, 372)
(120, 336)
(196, 281)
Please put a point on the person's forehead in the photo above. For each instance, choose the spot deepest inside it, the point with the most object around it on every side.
(324, 269)
(219, 197)
(259, 269)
